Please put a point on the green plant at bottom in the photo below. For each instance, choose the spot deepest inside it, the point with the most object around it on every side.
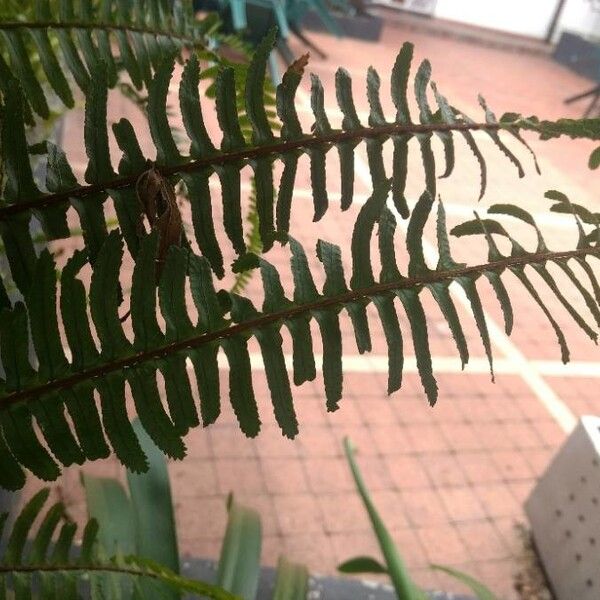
(142, 523)
(394, 565)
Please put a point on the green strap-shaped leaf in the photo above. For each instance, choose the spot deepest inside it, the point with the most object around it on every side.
(171, 295)
(99, 168)
(330, 256)
(203, 292)
(414, 235)
(393, 339)
(129, 59)
(14, 348)
(241, 393)
(191, 111)
(470, 289)
(21, 65)
(72, 59)
(376, 116)
(19, 186)
(291, 582)
(160, 130)
(396, 568)
(133, 160)
(12, 476)
(108, 505)
(41, 306)
(43, 537)
(263, 181)
(318, 182)
(490, 118)
(81, 404)
(49, 412)
(399, 82)
(74, 314)
(152, 415)
(60, 178)
(286, 191)
(154, 517)
(362, 270)
(418, 326)
(270, 341)
(317, 103)
(22, 527)
(285, 99)
(52, 67)
(229, 176)
(179, 394)
(227, 112)
(239, 563)
(503, 299)
(143, 296)
(104, 298)
(481, 591)
(362, 564)
(254, 91)
(116, 423)
(343, 92)
(142, 55)
(346, 156)
(24, 444)
(206, 369)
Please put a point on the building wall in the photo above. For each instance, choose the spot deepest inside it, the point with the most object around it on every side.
(523, 17)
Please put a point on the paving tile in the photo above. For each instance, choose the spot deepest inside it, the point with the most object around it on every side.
(192, 478)
(511, 464)
(343, 512)
(318, 441)
(392, 440)
(463, 436)
(328, 475)
(498, 575)
(424, 507)
(497, 500)
(462, 504)
(239, 475)
(284, 475)
(443, 469)
(483, 541)
(478, 467)
(443, 545)
(426, 438)
(209, 521)
(407, 472)
(298, 513)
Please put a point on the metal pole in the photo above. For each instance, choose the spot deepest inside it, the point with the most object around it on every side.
(555, 18)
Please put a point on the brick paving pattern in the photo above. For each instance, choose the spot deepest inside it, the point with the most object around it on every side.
(449, 481)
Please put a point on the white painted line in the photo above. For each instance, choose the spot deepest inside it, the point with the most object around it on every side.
(561, 413)
(378, 363)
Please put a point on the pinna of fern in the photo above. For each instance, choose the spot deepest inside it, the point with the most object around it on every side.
(71, 39)
(227, 322)
(46, 562)
(22, 197)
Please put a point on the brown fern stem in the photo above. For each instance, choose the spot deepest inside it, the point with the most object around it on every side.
(329, 302)
(247, 154)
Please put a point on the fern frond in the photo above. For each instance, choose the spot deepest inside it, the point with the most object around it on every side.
(227, 321)
(77, 37)
(234, 152)
(46, 563)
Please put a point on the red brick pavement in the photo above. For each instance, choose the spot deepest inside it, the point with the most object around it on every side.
(450, 481)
